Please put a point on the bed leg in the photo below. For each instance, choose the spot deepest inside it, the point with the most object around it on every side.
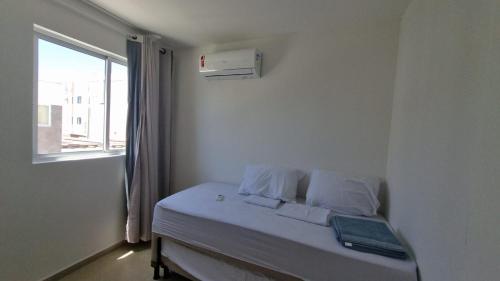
(156, 274)
(156, 264)
(166, 271)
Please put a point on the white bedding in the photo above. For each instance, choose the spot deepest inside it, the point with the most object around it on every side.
(256, 234)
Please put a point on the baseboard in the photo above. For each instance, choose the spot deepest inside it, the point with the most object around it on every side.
(58, 275)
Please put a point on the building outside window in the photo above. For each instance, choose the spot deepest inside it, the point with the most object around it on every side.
(81, 97)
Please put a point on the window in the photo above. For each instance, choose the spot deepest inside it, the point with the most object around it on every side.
(118, 106)
(80, 98)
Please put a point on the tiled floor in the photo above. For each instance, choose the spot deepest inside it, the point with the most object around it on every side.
(127, 263)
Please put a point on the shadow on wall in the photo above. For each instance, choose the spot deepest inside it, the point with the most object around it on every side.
(384, 210)
(303, 185)
(408, 248)
(383, 198)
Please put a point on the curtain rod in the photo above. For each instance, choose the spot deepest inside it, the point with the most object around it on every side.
(134, 37)
(139, 38)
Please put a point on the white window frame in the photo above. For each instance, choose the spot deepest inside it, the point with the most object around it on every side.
(43, 33)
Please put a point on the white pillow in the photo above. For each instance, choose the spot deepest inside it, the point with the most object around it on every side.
(272, 182)
(351, 195)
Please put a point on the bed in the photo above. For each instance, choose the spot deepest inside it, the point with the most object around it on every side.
(204, 239)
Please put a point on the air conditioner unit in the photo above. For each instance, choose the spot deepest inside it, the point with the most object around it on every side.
(240, 64)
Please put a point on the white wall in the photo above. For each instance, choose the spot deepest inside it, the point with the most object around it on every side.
(444, 153)
(324, 101)
(51, 215)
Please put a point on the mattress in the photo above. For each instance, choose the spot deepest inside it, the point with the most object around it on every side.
(256, 234)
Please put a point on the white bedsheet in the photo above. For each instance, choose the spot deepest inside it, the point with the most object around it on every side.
(256, 234)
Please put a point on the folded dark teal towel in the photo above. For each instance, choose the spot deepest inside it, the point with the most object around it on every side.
(369, 236)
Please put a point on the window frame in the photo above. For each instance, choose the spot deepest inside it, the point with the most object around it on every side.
(43, 33)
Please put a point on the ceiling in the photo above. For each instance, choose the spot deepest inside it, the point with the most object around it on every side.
(200, 22)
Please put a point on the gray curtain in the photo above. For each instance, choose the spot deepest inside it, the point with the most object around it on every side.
(150, 154)
(134, 61)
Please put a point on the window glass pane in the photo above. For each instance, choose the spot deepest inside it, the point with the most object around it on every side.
(118, 106)
(70, 99)
(43, 115)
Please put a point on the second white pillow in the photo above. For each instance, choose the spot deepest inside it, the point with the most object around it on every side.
(345, 194)
(272, 182)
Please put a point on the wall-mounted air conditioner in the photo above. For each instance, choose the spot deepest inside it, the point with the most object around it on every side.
(240, 64)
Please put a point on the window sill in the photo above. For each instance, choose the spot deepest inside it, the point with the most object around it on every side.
(75, 156)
